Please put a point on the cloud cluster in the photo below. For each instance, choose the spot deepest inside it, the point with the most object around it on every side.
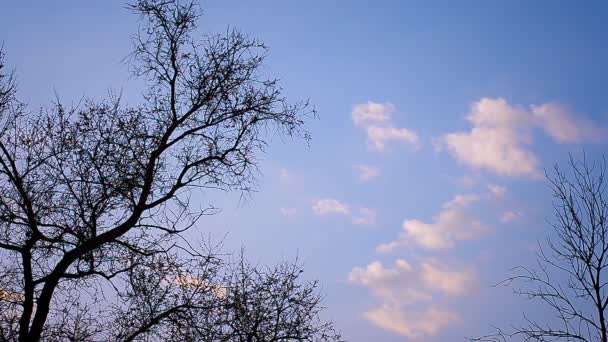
(414, 300)
(453, 223)
(410, 294)
(331, 206)
(501, 133)
(376, 118)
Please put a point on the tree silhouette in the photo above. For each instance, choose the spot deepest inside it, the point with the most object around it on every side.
(578, 253)
(95, 200)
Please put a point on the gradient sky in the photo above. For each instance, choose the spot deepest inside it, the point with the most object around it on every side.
(423, 182)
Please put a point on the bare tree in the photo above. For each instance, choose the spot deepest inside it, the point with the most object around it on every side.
(571, 277)
(203, 298)
(95, 200)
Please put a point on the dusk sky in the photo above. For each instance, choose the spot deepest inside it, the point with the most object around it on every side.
(424, 179)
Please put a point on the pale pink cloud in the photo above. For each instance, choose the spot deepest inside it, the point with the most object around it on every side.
(497, 141)
(378, 136)
(413, 297)
(565, 127)
(497, 191)
(284, 175)
(328, 206)
(509, 216)
(372, 113)
(357, 215)
(365, 216)
(376, 119)
(288, 212)
(440, 277)
(367, 172)
(425, 322)
(453, 223)
(501, 135)
(467, 181)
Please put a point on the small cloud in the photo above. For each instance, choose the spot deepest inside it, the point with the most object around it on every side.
(413, 324)
(365, 216)
(509, 216)
(461, 201)
(376, 119)
(328, 206)
(288, 212)
(284, 175)
(467, 181)
(331, 206)
(378, 136)
(453, 223)
(367, 172)
(438, 144)
(372, 113)
(196, 282)
(497, 190)
(565, 127)
(412, 296)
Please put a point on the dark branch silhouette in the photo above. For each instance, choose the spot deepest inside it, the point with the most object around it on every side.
(578, 253)
(95, 200)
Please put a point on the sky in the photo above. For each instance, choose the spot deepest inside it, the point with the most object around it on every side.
(424, 179)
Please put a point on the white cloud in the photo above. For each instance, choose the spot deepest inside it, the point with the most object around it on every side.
(288, 211)
(559, 123)
(454, 222)
(497, 140)
(467, 181)
(358, 216)
(426, 322)
(372, 113)
(376, 119)
(411, 297)
(384, 282)
(509, 216)
(461, 201)
(367, 172)
(501, 134)
(497, 191)
(328, 206)
(193, 281)
(378, 136)
(441, 278)
(284, 175)
(365, 216)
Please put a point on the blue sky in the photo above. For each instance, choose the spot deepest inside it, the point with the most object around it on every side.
(423, 181)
